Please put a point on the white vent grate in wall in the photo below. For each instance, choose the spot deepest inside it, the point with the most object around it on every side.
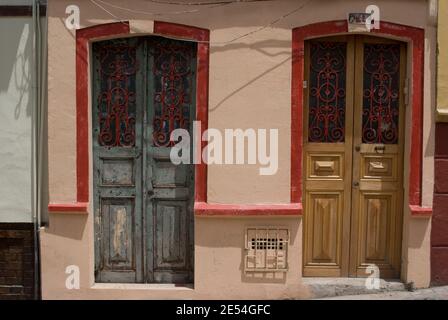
(266, 249)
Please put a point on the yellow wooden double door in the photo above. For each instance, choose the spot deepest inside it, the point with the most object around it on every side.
(353, 156)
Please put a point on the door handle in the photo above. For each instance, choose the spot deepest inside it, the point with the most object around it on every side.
(356, 184)
(150, 192)
(358, 148)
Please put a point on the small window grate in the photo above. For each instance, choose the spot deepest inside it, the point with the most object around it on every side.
(266, 249)
(267, 243)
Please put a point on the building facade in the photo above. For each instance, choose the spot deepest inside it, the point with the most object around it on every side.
(353, 192)
(318, 148)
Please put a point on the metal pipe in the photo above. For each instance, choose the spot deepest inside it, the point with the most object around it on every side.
(37, 132)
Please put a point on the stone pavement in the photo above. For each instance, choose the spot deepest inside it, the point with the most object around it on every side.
(435, 293)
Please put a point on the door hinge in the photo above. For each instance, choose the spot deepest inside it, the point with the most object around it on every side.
(305, 84)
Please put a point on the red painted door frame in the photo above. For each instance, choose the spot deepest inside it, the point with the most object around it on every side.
(83, 38)
(415, 39)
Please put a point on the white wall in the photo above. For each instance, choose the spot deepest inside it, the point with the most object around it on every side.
(15, 119)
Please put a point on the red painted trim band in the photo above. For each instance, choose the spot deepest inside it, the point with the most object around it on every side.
(181, 31)
(416, 36)
(79, 207)
(208, 209)
(423, 212)
(83, 36)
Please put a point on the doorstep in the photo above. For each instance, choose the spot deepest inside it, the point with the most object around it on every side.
(143, 286)
(334, 287)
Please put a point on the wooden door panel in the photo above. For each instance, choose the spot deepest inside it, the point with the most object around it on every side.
(377, 242)
(143, 89)
(377, 167)
(170, 188)
(171, 235)
(117, 172)
(378, 157)
(376, 214)
(168, 175)
(325, 166)
(117, 221)
(327, 126)
(117, 149)
(326, 228)
(353, 153)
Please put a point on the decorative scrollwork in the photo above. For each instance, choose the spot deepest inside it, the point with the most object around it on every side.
(116, 100)
(173, 88)
(327, 95)
(380, 115)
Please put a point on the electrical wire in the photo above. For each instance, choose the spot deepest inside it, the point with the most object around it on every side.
(202, 3)
(273, 22)
(212, 5)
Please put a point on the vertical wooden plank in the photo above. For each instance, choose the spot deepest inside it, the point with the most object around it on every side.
(117, 162)
(96, 166)
(327, 188)
(377, 202)
(148, 190)
(170, 187)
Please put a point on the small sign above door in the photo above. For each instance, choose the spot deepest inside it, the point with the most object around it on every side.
(358, 22)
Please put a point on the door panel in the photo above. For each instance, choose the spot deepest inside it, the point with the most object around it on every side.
(144, 89)
(353, 143)
(117, 223)
(117, 172)
(117, 149)
(327, 150)
(171, 234)
(325, 221)
(378, 156)
(377, 213)
(171, 84)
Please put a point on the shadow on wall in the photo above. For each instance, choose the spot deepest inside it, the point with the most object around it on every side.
(213, 17)
(16, 103)
(254, 16)
(71, 226)
(16, 62)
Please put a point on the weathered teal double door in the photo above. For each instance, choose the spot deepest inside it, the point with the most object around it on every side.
(143, 89)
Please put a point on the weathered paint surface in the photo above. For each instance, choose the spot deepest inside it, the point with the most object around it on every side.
(143, 202)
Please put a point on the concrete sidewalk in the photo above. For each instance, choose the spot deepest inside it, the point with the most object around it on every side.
(436, 293)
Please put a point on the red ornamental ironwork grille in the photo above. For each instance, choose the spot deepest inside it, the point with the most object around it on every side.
(173, 82)
(380, 113)
(168, 81)
(327, 93)
(116, 101)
